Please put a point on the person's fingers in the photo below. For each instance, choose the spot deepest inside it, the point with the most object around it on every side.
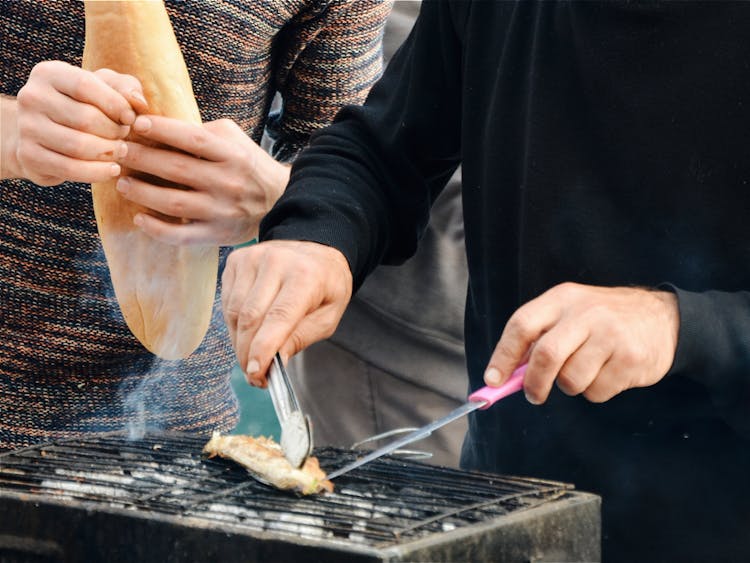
(270, 301)
(583, 367)
(318, 325)
(127, 85)
(51, 168)
(169, 165)
(192, 233)
(172, 202)
(87, 87)
(292, 303)
(523, 328)
(293, 282)
(187, 137)
(228, 129)
(247, 293)
(78, 145)
(236, 279)
(309, 303)
(610, 381)
(83, 117)
(548, 355)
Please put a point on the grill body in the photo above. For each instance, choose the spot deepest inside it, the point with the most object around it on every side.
(108, 499)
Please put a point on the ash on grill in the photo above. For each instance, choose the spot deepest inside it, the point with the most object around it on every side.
(61, 501)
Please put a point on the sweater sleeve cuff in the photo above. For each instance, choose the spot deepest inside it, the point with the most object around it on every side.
(318, 229)
(704, 347)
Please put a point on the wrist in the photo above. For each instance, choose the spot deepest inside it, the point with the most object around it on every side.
(670, 314)
(273, 176)
(8, 138)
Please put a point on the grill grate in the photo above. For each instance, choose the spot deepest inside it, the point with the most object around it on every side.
(381, 504)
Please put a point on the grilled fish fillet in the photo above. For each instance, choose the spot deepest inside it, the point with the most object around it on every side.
(263, 459)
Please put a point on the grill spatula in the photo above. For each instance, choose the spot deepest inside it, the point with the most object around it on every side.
(479, 400)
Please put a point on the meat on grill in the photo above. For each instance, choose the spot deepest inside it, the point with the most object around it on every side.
(264, 460)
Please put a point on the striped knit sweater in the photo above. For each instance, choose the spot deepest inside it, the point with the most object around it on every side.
(68, 364)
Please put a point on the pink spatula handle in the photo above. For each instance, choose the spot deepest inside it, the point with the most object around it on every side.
(493, 394)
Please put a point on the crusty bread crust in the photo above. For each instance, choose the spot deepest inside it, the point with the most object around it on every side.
(263, 458)
(165, 292)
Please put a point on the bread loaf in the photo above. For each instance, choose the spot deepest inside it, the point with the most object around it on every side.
(165, 292)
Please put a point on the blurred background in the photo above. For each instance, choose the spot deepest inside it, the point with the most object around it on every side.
(257, 417)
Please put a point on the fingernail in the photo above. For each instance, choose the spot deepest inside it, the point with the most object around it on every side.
(492, 377)
(138, 220)
(114, 169)
(531, 399)
(142, 124)
(127, 117)
(123, 184)
(136, 95)
(252, 367)
(122, 150)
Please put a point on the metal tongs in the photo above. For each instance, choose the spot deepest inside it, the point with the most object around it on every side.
(296, 432)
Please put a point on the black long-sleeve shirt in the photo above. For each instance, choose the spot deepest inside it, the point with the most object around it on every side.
(601, 143)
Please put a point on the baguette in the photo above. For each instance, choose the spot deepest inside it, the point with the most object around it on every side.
(165, 292)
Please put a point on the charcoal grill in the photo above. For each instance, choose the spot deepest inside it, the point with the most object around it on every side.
(106, 498)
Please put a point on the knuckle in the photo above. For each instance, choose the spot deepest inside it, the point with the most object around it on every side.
(280, 312)
(73, 145)
(28, 97)
(234, 188)
(200, 138)
(565, 292)
(85, 120)
(25, 152)
(231, 313)
(29, 156)
(82, 84)
(328, 331)
(596, 395)
(224, 124)
(132, 83)
(174, 171)
(520, 323)
(567, 287)
(45, 68)
(569, 385)
(632, 357)
(105, 73)
(546, 354)
(298, 341)
(175, 205)
(248, 317)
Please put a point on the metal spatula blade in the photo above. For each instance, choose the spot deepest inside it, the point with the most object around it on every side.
(481, 399)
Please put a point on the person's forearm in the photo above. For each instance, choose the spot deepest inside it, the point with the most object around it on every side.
(8, 138)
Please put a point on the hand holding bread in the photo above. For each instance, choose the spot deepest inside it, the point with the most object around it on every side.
(68, 124)
(234, 181)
